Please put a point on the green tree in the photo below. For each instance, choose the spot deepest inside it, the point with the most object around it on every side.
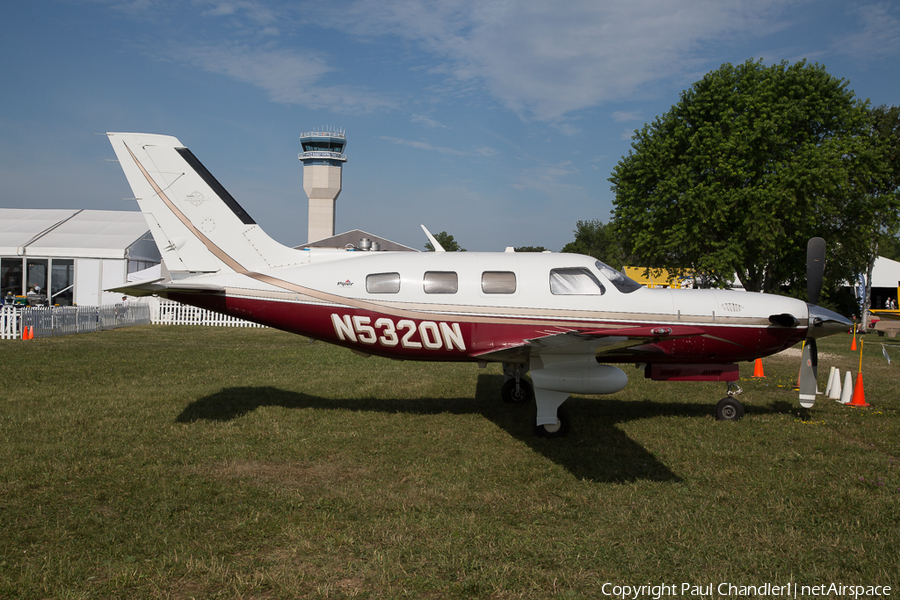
(446, 241)
(880, 198)
(749, 164)
(890, 248)
(594, 238)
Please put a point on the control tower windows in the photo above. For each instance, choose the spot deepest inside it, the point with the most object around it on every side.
(323, 146)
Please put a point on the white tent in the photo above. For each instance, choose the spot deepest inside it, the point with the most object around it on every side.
(886, 273)
(72, 255)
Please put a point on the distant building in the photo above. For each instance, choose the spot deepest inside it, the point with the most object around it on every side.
(359, 240)
(885, 281)
(661, 278)
(66, 256)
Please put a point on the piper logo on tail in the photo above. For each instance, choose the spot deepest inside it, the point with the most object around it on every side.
(429, 335)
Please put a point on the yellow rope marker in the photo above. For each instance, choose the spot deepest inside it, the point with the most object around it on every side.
(861, 342)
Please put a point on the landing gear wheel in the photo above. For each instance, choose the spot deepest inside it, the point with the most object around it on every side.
(729, 409)
(555, 430)
(517, 392)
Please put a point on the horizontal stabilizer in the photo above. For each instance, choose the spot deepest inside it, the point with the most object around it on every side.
(156, 287)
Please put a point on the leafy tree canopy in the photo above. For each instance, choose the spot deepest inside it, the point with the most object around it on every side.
(879, 198)
(446, 241)
(594, 238)
(750, 163)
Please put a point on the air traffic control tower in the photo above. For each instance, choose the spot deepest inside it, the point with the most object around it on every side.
(322, 158)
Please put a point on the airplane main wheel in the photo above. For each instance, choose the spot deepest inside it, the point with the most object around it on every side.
(555, 430)
(514, 393)
(729, 409)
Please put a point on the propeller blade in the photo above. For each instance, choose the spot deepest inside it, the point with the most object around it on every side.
(815, 269)
(809, 367)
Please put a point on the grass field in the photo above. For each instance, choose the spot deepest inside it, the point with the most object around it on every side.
(184, 462)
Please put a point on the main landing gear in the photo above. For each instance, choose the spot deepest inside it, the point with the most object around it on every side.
(555, 430)
(518, 390)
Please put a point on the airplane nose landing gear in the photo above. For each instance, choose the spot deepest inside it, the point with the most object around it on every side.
(729, 409)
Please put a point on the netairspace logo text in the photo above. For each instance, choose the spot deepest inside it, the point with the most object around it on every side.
(724, 590)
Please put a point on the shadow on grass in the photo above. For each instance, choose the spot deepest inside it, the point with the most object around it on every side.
(595, 450)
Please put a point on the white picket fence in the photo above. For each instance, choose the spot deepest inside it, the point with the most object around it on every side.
(169, 312)
(51, 321)
(65, 320)
(10, 323)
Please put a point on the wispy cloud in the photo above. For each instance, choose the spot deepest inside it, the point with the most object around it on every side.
(427, 121)
(288, 76)
(625, 116)
(484, 151)
(879, 36)
(548, 179)
(544, 62)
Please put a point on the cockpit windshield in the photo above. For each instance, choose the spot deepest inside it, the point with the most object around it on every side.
(623, 283)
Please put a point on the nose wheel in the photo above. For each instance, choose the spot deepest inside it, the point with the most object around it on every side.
(729, 409)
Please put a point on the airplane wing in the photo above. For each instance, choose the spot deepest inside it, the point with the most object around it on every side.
(590, 341)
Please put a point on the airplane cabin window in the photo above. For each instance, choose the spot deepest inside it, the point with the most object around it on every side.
(441, 282)
(498, 282)
(383, 283)
(574, 281)
(623, 283)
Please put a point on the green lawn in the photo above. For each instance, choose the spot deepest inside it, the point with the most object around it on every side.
(187, 462)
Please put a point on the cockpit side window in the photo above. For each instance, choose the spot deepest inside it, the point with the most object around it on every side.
(623, 283)
(574, 281)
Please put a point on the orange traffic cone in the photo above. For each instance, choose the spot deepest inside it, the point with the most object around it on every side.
(24, 333)
(758, 368)
(859, 395)
(31, 332)
(853, 343)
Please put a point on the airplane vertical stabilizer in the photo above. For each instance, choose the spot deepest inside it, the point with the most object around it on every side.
(197, 225)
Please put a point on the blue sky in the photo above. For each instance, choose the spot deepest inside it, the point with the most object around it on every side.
(499, 122)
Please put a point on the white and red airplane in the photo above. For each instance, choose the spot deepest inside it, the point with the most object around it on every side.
(561, 317)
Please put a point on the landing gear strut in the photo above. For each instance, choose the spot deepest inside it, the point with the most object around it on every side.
(516, 389)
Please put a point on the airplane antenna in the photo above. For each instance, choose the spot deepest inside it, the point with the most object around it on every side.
(434, 242)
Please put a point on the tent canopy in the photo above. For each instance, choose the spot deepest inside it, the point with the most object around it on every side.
(70, 233)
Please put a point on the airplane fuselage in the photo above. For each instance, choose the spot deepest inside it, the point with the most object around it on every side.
(469, 306)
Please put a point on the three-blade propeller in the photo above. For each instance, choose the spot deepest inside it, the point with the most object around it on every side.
(809, 361)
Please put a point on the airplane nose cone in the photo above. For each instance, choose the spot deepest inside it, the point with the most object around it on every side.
(824, 322)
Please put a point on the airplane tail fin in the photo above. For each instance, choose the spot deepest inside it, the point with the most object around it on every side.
(197, 225)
